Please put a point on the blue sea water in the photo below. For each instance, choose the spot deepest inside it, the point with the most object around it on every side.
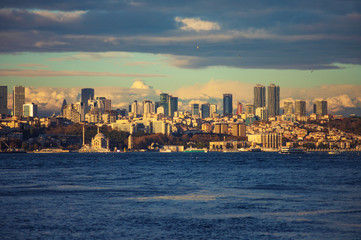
(180, 196)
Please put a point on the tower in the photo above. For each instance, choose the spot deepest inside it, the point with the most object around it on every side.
(239, 108)
(288, 108)
(259, 96)
(273, 101)
(205, 110)
(320, 108)
(30, 110)
(227, 104)
(164, 101)
(3, 100)
(173, 105)
(18, 100)
(195, 109)
(86, 94)
(300, 108)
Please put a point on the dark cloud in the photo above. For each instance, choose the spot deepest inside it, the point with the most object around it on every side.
(249, 34)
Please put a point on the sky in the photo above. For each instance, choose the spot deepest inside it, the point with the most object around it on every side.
(195, 50)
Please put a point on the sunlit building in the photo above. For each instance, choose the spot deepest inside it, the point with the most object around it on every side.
(195, 109)
(320, 108)
(259, 96)
(30, 110)
(288, 108)
(273, 100)
(300, 108)
(18, 100)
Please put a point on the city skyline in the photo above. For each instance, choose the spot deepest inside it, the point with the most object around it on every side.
(187, 50)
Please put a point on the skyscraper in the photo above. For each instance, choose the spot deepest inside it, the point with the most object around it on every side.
(227, 104)
(18, 100)
(86, 94)
(164, 101)
(273, 101)
(205, 110)
(3, 100)
(173, 105)
(239, 108)
(213, 109)
(148, 107)
(134, 108)
(288, 108)
(320, 108)
(30, 110)
(195, 109)
(259, 96)
(300, 108)
(250, 109)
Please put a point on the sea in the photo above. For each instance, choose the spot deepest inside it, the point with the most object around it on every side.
(148, 195)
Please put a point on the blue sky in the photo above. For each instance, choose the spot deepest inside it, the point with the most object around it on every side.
(191, 49)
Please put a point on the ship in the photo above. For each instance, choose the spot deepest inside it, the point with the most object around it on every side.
(287, 150)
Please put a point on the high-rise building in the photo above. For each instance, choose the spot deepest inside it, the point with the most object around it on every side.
(148, 107)
(227, 104)
(30, 110)
(195, 109)
(173, 105)
(205, 110)
(250, 109)
(259, 96)
(86, 94)
(288, 108)
(3, 100)
(320, 108)
(262, 113)
(213, 109)
(239, 108)
(164, 101)
(239, 130)
(300, 108)
(18, 100)
(273, 100)
(63, 106)
(134, 108)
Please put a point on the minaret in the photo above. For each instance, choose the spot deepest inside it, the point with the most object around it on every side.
(130, 142)
(83, 135)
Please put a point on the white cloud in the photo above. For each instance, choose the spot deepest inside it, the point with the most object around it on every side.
(139, 84)
(60, 16)
(196, 24)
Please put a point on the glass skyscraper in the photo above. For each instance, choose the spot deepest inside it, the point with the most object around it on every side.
(164, 101)
(3, 100)
(18, 100)
(320, 108)
(288, 108)
(273, 102)
(173, 105)
(259, 96)
(86, 94)
(195, 109)
(300, 108)
(227, 104)
(205, 110)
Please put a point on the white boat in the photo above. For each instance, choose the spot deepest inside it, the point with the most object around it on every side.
(287, 150)
(334, 152)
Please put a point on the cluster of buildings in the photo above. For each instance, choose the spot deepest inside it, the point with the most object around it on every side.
(275, 127)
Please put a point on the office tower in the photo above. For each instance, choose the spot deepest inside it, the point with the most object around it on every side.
(259, 96)
(63, 106)
(30, 110)
(262, 113)
(205, 110)
(173, 105)
(249, 109)
(239, 108)
(164, 101)
(107, 105)
(288, 108)
(213, 109)
(320, 108)
(18, 100)
(3, 100)
(134, 108)
(86, 94)
(227, 104)
(195, 109)
(273, 100)
(300, 108)
(148, 107)
(72, 112)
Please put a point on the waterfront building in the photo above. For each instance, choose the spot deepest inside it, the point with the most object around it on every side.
(205, 110)
(100, 143)
(259, 96)
(273, 101)
(250, 109)
(239, 130)
(195, 109)
(173, 105)
(3, 100)
(288, 108)
(320, 108)
(262, 113)
(18, 100)
(239, 108)
(30, 110)
(227, 104)
(300, 108)
(86, 94)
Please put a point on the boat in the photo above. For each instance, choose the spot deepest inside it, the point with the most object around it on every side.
(334, 152)
(195, 150)
(287, 150)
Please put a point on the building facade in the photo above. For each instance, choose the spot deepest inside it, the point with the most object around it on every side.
(3, 100)
(205, 110)
(30, 110)
(300, 108)
(227, 104)
(18, 100)
(288, 108)
(273, 101)
(320, 108)
(86, 94)
(259, 96)
(195, 109)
